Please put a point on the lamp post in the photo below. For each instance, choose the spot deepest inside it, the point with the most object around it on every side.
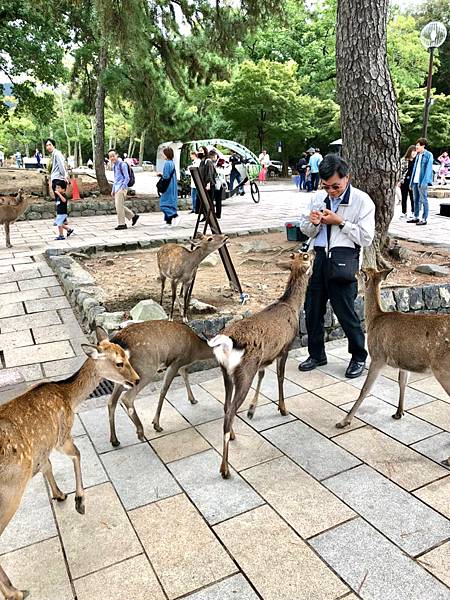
(432, 36)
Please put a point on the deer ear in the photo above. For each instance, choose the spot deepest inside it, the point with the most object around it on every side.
(92, 351)
(385, 272)
(101, 334)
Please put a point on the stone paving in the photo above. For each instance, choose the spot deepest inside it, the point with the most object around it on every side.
(310, 512)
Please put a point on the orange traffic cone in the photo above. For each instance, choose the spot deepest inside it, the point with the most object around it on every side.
(75, 191)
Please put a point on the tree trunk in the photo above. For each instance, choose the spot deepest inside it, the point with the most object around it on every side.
(93, 137)
(142, 146)
(369, 117)
(105, 187)
(133, 147)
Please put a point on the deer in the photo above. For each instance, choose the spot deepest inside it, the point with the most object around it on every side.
(247, 347)
(39, 421)
(11, 208)
(155, 347)
(179, 264)
(409, 342)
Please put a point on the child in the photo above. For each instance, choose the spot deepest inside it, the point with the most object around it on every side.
(61, 213)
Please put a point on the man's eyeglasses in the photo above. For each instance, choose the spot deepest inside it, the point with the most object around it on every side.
(333, 186)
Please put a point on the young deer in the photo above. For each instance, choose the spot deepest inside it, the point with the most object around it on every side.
(153, 347)
(247, 347)
(180, 266)
(409, 342)
(11, 208)
(40, 420)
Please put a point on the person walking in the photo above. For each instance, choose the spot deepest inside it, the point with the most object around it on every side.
(235, 160)
(120, 189)
(314, 163)
(18, 157)
(421, 178)
(407, 164)
(264, 160)
(301, 168)
(195, 204)
(38, 157)
(2, 158)
(58, 173)
(62, 212)
(444, 159)
(168, 201)
(341, 220)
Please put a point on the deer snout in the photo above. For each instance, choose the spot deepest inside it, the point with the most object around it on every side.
(131, 384)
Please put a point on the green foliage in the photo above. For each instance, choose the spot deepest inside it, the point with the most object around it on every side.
(408, 59)
(410, 104)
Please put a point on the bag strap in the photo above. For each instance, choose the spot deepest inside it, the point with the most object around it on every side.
(328, 205)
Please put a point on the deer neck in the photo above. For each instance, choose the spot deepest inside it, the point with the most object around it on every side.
(78, 387)
(294, 294)
(198, 254)
(372, 302)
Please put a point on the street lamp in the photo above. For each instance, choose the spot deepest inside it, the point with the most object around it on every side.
(432, 36)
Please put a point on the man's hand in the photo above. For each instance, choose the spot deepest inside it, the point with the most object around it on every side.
(208, 186)
(315, 217)
(330, 218)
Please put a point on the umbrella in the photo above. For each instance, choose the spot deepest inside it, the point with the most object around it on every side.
(311, 150)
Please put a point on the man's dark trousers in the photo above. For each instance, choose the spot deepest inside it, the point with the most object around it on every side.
(315, 181)
(342, 298)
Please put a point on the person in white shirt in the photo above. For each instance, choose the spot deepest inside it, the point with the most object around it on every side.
(264, 160)
(195, 204)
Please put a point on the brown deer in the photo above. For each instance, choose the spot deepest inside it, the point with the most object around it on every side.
(180, 266)
(406, 341)
(11, 208)
(40, 420)
(155, 347)
(247, 347)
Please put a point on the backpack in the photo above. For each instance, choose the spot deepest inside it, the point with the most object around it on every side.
(132, 178)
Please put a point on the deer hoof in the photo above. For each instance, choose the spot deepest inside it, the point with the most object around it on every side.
(225, 473)
(398, 415)
(283, 412)
(342, 424)
(157, 427)
(446, 462)
(79, 505)
(193, 401)
(251, 412)
(60, 498)
(115, 443)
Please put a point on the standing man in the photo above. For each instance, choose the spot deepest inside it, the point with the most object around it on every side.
(421, 178)
(58, 175)
(120, 189)
(341, 221)
(301, 168)
(235, 160)
(314, 163)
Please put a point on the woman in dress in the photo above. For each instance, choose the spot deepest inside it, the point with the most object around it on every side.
(264, 160)
(444, 159)
(168, 201)
(407, 165)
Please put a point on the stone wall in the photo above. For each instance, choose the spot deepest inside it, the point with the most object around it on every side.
(90, 207)
(81, 289)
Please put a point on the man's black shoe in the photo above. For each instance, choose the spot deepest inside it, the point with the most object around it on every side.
(421, 223)
(119, 227)
(311, 363)
(134, 220)
(412, 220)
(354, 369)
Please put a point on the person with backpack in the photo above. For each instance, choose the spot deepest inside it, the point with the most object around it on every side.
(123, 179)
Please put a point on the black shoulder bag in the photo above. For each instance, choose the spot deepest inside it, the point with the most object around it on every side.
(162, 184)
(342, 261)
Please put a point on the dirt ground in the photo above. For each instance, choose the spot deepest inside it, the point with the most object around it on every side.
(130, 277)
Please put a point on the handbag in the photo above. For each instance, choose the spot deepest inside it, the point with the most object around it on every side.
(162, 184)
(343, 264)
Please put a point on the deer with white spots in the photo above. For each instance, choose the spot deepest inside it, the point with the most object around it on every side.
(405, 341)
(39, 421)
(247, 347)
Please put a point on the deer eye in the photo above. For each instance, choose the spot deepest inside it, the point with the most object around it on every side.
(119, 364)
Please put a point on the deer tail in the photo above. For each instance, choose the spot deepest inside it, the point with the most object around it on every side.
(226, 354)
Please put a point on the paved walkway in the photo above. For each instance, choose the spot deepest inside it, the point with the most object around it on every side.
(311, 512)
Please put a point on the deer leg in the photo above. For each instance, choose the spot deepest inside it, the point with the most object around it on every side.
(71, 450)
(281, 366)
(163, 285)
(228, 383)
(57, 494)
(168, 378)
(254, 402)
(173, 285)
(184, 374)
(242, 378)
(374, 371)
(9, 503)
(402, 381)
(112, 405)
(8, 239)
(128, 401)
(442, 375)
